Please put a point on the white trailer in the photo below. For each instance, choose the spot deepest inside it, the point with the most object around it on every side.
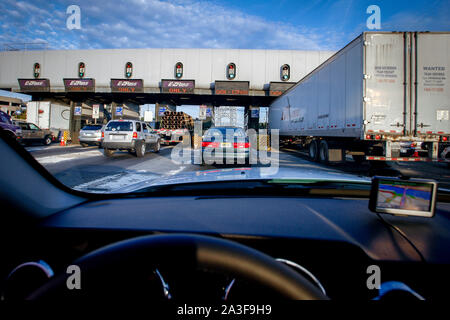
(49, 115)
(382, 91)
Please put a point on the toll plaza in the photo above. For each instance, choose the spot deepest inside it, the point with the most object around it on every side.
(100, 85)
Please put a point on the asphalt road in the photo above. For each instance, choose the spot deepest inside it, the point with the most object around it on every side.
(89, 170)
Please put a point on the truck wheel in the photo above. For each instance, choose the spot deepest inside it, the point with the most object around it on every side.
(157, 147)
(47, 140)
(140, 149)
(323, 151)
(314, 151)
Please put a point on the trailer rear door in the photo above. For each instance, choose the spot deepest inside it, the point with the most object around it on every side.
(432, 51)
(43, 115)
(384, 76)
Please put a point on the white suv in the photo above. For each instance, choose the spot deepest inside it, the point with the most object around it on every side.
(132, 135)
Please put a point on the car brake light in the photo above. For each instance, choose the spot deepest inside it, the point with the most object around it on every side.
(444, 138)
(103, 134)
(377, 137)
(134, 135)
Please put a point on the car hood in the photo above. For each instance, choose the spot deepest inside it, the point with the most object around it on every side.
(235, 174)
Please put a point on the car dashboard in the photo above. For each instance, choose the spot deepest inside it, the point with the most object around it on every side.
(334, 239)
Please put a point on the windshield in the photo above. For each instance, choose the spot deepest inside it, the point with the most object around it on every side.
(287, 91)
(119, 126)
(87, 128)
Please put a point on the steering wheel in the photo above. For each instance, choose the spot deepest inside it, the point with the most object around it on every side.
(126, 261)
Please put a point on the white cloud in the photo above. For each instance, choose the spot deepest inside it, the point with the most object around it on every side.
(153, 23)
(187, 24)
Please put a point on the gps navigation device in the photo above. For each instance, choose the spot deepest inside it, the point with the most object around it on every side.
(411, 197)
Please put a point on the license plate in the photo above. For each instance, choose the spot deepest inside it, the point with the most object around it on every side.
(117, 137)
(225, 144)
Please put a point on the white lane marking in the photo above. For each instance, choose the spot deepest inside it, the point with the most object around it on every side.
(68, 156)
(39, 148)
(176, 171)
(116, 181)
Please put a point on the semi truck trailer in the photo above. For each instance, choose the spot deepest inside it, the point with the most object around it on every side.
(383, 93)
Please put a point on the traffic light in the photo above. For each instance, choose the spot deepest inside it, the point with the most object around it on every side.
(81, 69)
(231, 71)
(37, 70)
(285, 72)
(178, 70)
(128, 70)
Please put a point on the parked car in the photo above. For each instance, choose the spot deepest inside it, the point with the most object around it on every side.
(91, 135)
(132, 135)
(9, 127)
(31, 133)
(222, 143)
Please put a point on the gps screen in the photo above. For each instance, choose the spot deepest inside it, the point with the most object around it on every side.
(404, 195)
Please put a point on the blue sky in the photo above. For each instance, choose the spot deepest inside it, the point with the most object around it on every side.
(255, 24)
(9, 94)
